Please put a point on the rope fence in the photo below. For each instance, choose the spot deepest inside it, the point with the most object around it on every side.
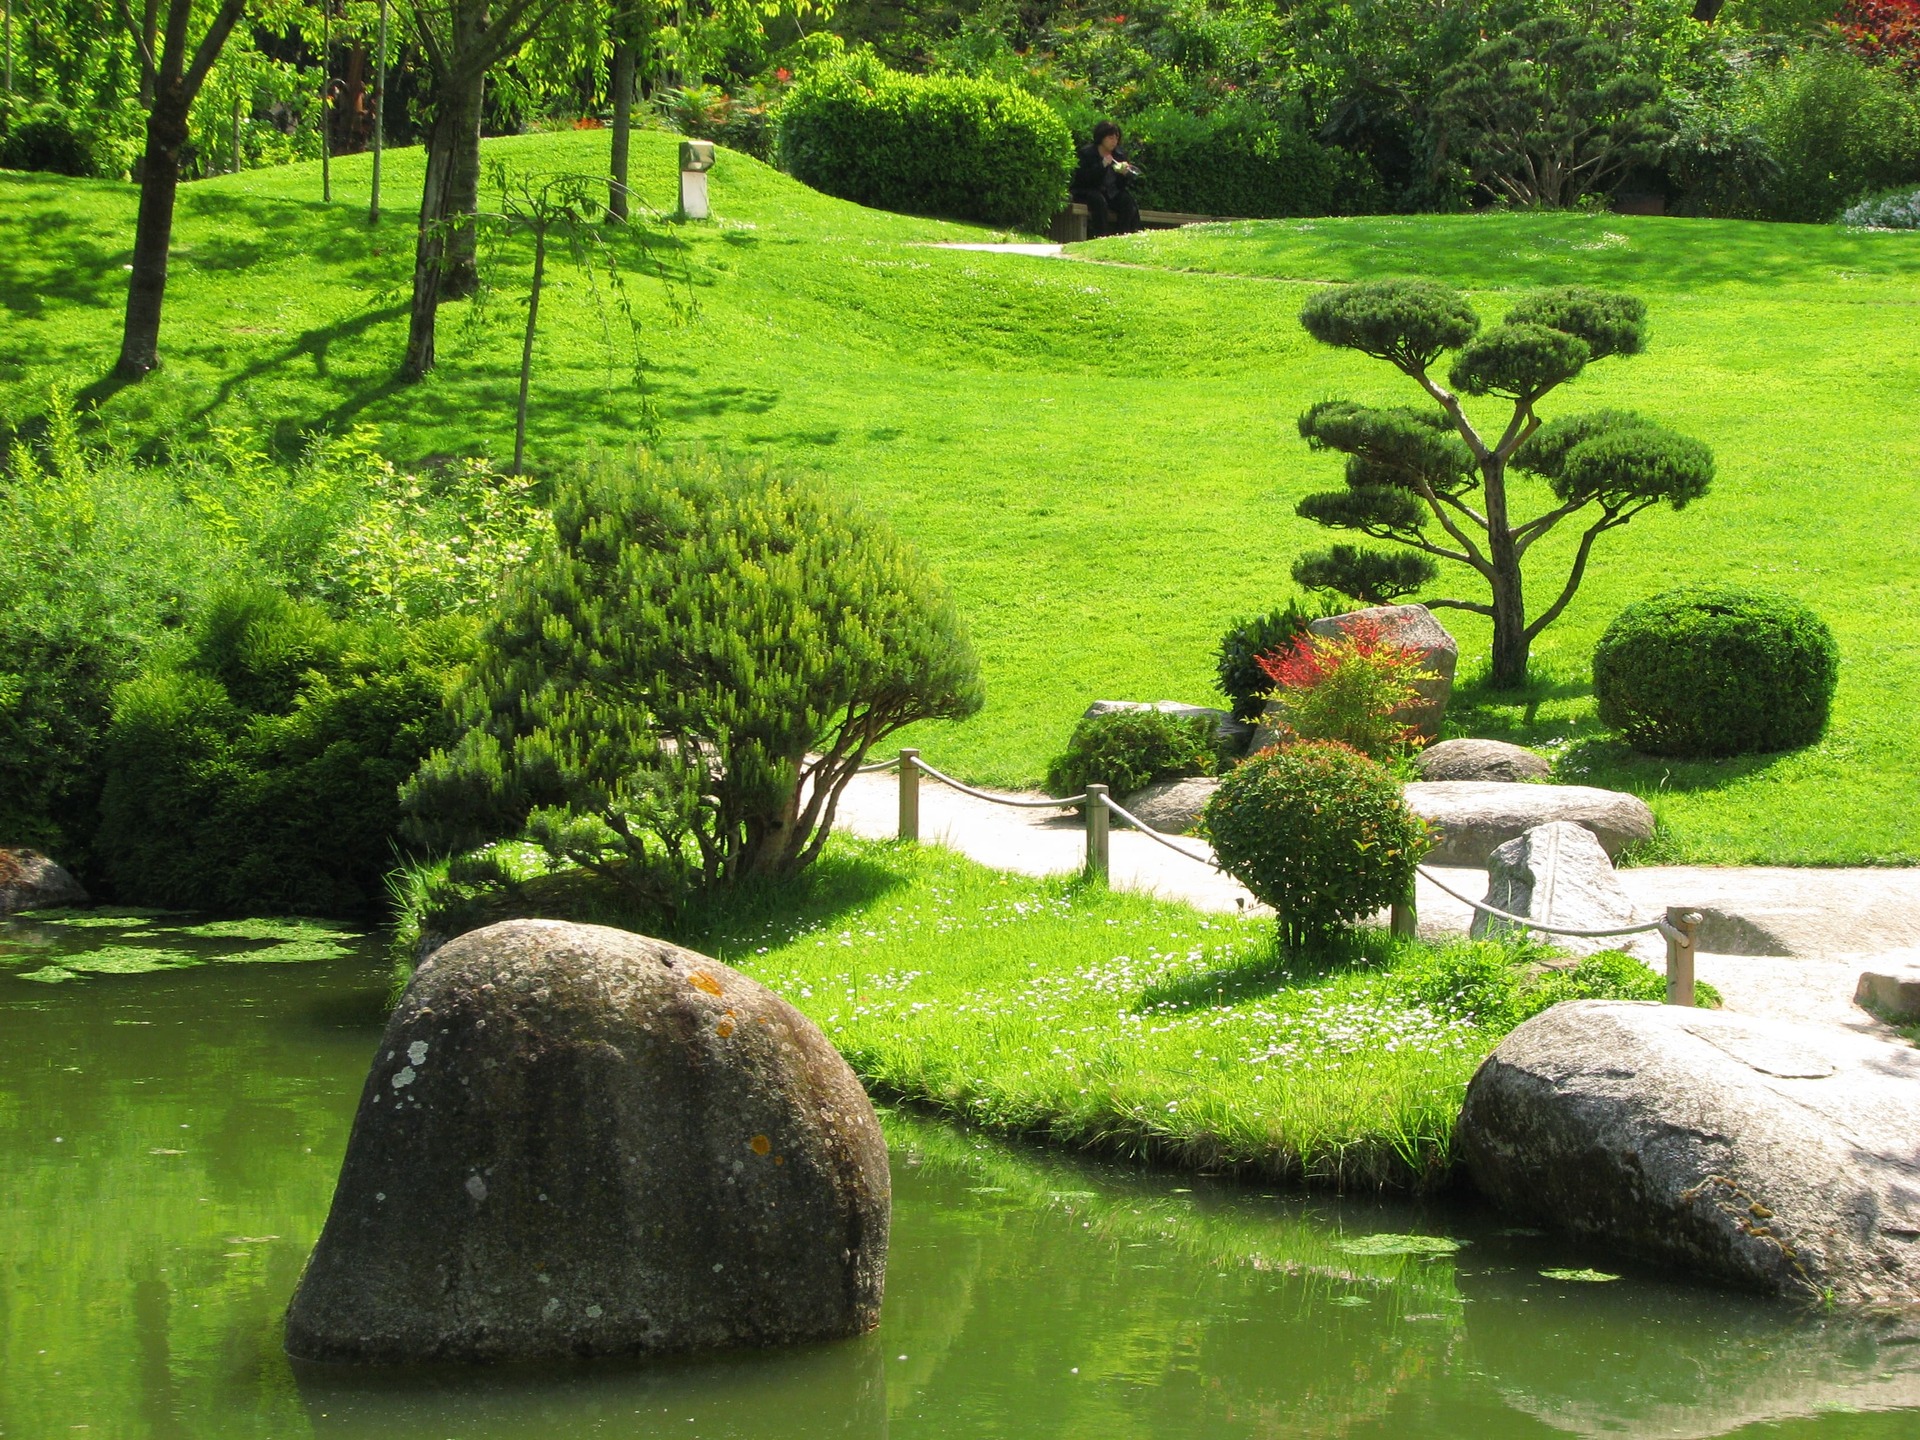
(1679, 926)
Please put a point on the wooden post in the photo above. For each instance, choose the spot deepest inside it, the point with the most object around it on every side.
(1680, 950)
(909, 794)
(1404, 919)
(1096, 813)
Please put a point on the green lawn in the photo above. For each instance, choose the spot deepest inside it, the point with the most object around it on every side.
(1102, 460)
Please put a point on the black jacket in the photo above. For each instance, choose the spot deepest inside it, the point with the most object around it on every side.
(1094, 178)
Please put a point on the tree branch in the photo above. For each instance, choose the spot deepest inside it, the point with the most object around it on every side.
(1474, 605)
(1608, 521)
(211, 43)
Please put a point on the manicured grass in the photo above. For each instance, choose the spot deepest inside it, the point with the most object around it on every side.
(1102, 460)
(1095, 1018)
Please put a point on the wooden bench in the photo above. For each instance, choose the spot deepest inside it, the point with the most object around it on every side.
(1070, 225)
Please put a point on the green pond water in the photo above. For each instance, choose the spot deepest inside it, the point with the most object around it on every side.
(174, 1103)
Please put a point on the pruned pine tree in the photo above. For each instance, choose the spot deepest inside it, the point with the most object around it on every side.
(676, 691)
(1549, 112)
(1432, 481)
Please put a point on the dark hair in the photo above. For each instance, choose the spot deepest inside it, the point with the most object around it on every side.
(1104, 129)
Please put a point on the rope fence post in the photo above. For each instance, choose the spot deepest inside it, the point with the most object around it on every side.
(1096, 815)
(1683, 928)
(910, 795)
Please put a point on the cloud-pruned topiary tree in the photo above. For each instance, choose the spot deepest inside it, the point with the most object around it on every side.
(1431, 481)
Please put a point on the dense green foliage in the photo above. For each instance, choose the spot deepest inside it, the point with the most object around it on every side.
(1126, 750)
(1839, 129)
(941, 145)
(1237, 668)
(1483, 984)
(678, 686)
(261, 770)
(1319, 832)
(1241, 160)
(48, 138)
(1716, 670)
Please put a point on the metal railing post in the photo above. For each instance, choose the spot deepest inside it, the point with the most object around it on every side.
(1096, 816)
(1681, 942)
(910, 795)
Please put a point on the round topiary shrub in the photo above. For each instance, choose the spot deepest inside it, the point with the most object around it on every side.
(1319, 832)
(1715, 670)
(1126, 750)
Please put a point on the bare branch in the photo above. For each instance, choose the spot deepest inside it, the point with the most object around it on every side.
(1474, 605)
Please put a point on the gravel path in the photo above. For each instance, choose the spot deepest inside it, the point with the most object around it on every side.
(1813, 928)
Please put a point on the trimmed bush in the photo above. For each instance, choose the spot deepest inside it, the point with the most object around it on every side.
(1128, 749)
(1710, 670)
(1319, 832)
(676, 689)
(263, 771)
(928, 145)
(1242, 679)
(1240, 160)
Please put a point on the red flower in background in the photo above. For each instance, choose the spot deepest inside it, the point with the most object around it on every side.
(783, 74)
(1885, 30)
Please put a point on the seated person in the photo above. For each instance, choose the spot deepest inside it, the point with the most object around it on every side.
(1101, 184)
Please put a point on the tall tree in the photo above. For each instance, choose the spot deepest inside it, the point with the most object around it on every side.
(173, 79)
(460, 40)
(1434, 483)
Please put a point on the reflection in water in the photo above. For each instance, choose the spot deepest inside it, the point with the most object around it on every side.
(168, 1144)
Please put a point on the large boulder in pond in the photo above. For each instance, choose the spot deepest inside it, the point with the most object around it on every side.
(1482, 760)
(30, 881)
(578, 1142)
(1772, 1156)
(1475, 817)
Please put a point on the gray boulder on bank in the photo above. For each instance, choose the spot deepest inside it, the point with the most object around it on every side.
(1475, 818)
(577, 1141)
(1558, 874)
(1172, 806)
(1227, 731)
(1761, 1154)
(1481, 760)
(30, 881)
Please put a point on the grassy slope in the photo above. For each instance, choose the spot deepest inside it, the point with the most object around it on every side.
(1102, 461)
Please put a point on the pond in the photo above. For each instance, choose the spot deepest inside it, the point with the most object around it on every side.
(174, 1105)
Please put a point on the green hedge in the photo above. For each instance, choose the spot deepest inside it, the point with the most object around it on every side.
(1241, 161)
(931, 145)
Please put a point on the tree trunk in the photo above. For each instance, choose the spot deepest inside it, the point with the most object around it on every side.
(526, 350)
(461, 276)
(1509, 601)
(159, 182)
(429, 249)
(622, 89)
